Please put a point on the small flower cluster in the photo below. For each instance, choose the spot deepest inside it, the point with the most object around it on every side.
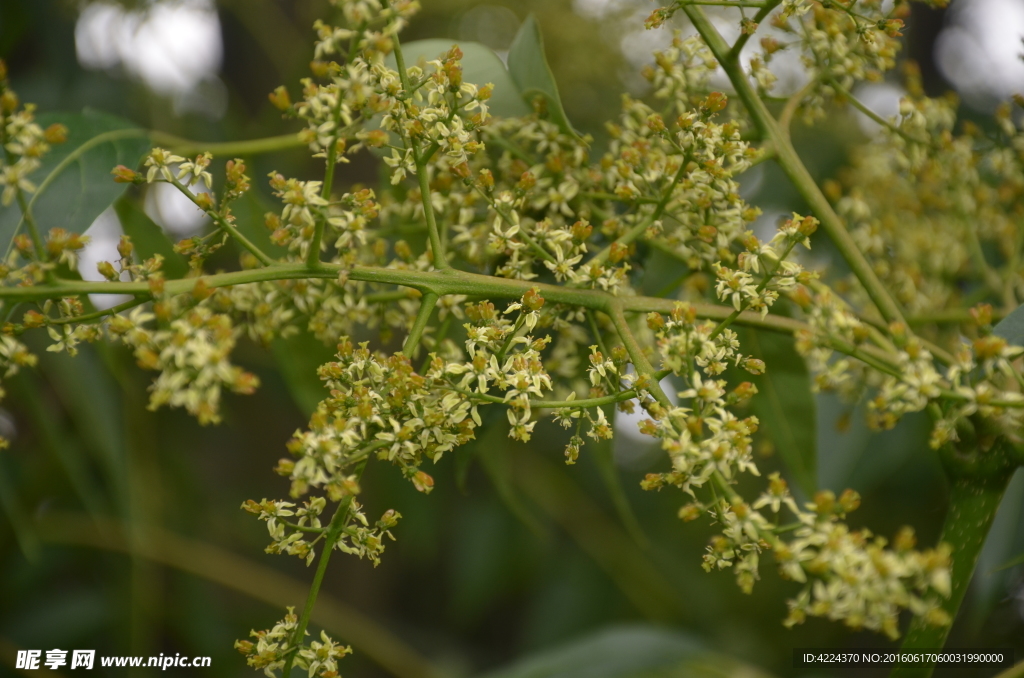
(191, 355)
(294, 536)
(681, 73)
(850, 575)
(13, 356)
(24, 142)
(503, 356)
(699, 214)
(273, 647)
(376, 402)
(986, 383)
(769, 261)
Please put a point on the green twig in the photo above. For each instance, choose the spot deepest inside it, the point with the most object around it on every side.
(225, 225)
(333, 532)
(973, 502)
(419, 324)
(737, 48)
(790, 162)
(437, 249)
(245, 147)
(96, 315)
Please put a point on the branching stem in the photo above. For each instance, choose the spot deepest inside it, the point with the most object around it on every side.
(412, 341)
(790, 162)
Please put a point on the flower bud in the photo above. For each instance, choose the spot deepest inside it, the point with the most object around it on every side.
(201, 290)
(124, 175)
(56, 134)
(125, 247)
(754, 365)
(982, 314)
(849, 500)
(690, 512)
(423, 482)
(280, 98)
(715, 102)
(824, 502)
(533, 300)
(33, 319)
(106, 269)
(8, 101)
(204, 201)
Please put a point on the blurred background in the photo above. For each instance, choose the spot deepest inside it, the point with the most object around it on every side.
(121, 529)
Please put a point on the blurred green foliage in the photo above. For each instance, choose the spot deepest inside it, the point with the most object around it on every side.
(127, 537)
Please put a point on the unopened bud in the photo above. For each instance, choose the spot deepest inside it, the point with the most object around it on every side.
(533, 300)
(124, 175)
(33, 319)
(824, 502)
(56, 134)
(849, 500)
(125, 247)
(982, 314)
(280, 98)
(715, 102)
(201, 290)
(106, 269)
(655, 321)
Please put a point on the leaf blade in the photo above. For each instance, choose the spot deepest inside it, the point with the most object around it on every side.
(480, 65)
(528, 66)
(75, 185)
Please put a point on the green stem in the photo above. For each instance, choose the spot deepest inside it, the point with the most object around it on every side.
(313, 255)
(511, 336)
(437, 249)
(875, 117)
(426, 309)
(33, 231)
(96, 315)
(441, 283)
(182, 146)
(640, 362)
(225, 225)
(973, 502)
(790, 162)
(766, 9)
(333, 532)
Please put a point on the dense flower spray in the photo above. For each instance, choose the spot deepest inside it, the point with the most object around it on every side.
(512, 263)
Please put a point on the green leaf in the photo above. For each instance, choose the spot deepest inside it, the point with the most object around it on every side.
(785, 405)
(1011, 327)
(1001, 551)
(530, 71)
(634, 651)
(74, 184)
(480, 66)
(148, 238)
